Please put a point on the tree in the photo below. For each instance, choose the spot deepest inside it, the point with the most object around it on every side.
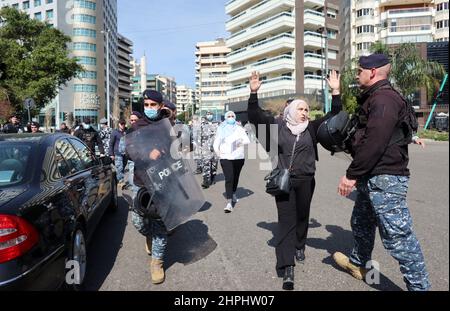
(35, 57)
(408, 74)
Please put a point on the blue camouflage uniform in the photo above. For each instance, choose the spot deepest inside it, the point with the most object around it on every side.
(204, 135)
(152, 227)
(381, 202)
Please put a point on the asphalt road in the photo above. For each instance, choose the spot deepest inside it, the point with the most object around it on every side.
(222, 252)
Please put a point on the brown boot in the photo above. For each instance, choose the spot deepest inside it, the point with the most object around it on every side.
(148, 245)
(157, 271)
(344, 262)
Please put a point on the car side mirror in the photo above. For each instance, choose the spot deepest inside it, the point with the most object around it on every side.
(106, 160)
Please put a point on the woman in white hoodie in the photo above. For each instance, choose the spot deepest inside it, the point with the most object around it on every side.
(229, 146)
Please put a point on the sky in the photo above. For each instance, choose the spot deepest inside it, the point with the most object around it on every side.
(167, 31)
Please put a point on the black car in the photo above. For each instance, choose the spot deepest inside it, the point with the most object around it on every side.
(53, 193)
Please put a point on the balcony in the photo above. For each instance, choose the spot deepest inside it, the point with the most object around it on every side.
(279, 23)
(272, 87)
(261, 10)
(407, 13)
(314, 4)
(314, 40)
(409, 33)
(314, 82)
(282, 42)
(234, 6)
(314, 19)
(384, 3)
(313, 61)
(281, 63)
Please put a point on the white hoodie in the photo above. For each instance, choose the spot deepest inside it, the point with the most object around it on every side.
(232, 146)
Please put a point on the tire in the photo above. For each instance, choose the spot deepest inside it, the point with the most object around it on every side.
(77, 255)
(114, 204)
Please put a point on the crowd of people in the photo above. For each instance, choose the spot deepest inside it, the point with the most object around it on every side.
(379, 171)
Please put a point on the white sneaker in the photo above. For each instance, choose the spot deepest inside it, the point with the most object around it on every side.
(228, 208)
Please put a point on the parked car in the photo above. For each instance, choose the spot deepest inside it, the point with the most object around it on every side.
(53, 193)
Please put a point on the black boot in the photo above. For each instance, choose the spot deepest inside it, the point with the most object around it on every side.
(288, 279)
(300, 255)
(205, 184)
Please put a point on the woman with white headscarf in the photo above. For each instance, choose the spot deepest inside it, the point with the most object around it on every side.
(293, 208)
(229, 146)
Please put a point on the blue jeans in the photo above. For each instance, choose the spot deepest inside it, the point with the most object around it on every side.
(381, 202)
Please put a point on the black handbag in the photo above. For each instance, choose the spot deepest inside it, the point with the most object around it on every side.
(278, 181)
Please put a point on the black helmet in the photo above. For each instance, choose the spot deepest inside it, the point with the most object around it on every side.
(333, 134)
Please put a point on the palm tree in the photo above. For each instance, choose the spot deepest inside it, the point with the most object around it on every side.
(409, 72)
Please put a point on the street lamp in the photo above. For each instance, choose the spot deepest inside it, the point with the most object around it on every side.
(108, 104)
(324, 32)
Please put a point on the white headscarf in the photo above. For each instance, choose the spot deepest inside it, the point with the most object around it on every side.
(226, 129)
(291, 117)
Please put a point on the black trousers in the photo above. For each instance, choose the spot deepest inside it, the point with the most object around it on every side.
(293, 220)
(232, 171)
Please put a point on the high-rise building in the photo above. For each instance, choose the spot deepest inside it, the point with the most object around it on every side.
(392, 22)
(185, 99)
(141, 81)
(125, 70)
(292, 43)
(90, 24)
(211, 71)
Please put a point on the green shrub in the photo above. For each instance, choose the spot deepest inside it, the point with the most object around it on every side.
(435, 135)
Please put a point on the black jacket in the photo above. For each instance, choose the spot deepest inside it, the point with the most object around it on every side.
(381, 110)
(286, 141)
(90, 138)
(10, 128)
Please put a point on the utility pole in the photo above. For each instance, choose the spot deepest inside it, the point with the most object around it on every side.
(108, 100)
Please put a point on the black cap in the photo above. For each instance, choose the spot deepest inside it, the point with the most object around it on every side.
(34, 123)
(170, 105)
(137, 114)
(153, 95)
(373, 61)
(122, 121)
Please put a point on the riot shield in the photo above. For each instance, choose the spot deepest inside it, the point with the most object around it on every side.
(176, 195)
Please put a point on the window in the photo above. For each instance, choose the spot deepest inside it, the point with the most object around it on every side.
(26, 5)
(88, 75)
(442, 6)
(85, 4)
(67, 159)
(84, 46)
(87, 158)
(364, 12)
(85, 60)
(84, 18)
(49, 14)
(442, 24)
(37, 3)
(38, 16)
(84, 32)
(365, 29)
(15, 6)
(85, 88)
(14, 162)
(49, 1)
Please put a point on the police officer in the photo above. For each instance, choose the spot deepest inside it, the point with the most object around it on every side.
(208, 159)
(90, 136)
(150, 224)
(379, 172)
(13, 126)
(105, 135)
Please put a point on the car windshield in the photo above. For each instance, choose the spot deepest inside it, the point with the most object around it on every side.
(14, 160)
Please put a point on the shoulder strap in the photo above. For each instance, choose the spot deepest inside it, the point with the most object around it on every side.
(293, 152)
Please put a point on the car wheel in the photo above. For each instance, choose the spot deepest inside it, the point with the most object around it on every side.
(77, 260)
(114, 204)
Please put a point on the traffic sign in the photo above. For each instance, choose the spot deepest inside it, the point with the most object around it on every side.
(29, 103)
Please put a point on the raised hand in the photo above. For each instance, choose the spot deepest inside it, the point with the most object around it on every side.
(334, 82)
(255, 84)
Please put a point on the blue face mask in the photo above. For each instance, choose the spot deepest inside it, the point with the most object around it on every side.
(152, 114)
(231, 121)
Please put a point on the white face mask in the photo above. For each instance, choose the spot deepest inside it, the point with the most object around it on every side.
(86, 126)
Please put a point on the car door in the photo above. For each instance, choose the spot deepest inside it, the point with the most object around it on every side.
(97, 180)
(77, 177)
